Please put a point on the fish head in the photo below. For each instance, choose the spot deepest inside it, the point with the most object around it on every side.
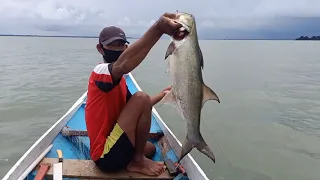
(183, 34)
(187, 22)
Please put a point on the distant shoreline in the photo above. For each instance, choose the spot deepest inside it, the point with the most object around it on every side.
(56, 36)
(95, 37)
(48, 36)
(306, 38)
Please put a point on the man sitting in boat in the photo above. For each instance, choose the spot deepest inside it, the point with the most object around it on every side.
(118, 123)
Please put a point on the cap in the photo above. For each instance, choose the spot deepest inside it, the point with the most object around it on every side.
(110, 34)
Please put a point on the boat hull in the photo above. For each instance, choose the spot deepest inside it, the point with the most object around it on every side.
(77, 147)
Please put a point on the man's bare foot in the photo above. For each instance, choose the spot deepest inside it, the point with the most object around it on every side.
(146, 167)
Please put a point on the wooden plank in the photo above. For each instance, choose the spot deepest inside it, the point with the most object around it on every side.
(155, 136)
(66, 131)
(42, 171)
(86, 169)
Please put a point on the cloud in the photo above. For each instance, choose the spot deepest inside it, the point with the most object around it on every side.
(215, 19)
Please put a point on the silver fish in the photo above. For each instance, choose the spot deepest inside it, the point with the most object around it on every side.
(188, 93)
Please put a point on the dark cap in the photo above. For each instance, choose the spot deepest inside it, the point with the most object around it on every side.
(110, 34)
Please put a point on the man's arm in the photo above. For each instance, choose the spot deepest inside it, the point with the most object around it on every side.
(155, 99)
(136, 52)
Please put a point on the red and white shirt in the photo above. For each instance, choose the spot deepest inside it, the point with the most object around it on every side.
(105, 101)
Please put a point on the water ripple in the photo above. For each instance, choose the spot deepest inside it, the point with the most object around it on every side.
(295, 88)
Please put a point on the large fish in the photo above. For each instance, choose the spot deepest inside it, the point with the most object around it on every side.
(188, 93)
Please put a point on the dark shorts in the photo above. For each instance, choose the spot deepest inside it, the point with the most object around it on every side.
(120, 154)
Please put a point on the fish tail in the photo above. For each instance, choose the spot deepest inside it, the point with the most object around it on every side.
(201, 145)
(186, 148)
(205, 149)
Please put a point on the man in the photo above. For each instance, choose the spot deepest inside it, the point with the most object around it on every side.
(118, 123)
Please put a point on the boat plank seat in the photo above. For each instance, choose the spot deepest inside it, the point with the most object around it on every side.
(66, 131)
(86, 169)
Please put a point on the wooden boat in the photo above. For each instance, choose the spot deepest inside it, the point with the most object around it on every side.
(68, 134)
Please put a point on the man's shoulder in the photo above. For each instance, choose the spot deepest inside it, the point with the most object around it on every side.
(102, 68)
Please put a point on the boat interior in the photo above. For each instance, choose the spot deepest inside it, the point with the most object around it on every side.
(74, 145)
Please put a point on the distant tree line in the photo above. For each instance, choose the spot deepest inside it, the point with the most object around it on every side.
(308, 38)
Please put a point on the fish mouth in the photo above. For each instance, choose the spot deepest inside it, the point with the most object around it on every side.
(182, 32)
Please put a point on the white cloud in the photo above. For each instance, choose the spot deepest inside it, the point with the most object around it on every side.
(82, 17)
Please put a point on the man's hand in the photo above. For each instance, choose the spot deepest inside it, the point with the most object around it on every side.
(167, 23)
(166, 90)
(155, 99)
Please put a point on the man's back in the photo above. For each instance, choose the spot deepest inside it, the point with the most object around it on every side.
(105, 100)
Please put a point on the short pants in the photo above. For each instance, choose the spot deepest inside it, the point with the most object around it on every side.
(118, 151)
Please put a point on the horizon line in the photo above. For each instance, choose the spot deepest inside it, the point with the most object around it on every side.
(129, 37)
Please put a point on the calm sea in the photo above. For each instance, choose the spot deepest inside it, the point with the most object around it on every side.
(266, 127)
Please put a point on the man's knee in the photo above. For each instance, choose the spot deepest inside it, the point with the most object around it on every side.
(143, 98)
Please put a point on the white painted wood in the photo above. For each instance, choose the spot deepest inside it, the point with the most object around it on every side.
(192, 168)
(57, 171)
(34, 164)
(42, 143)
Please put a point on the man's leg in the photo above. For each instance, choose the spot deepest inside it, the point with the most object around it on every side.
(135, 120)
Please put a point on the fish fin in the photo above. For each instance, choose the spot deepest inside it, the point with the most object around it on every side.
(170, 49)
(205, 149)
(209, 94)
(187, 146)
(168, 67)
(169, 98)
(200, 57)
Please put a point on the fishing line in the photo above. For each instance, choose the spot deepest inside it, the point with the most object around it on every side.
(216, 141)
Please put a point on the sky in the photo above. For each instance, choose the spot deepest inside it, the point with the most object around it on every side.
(215, 19)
